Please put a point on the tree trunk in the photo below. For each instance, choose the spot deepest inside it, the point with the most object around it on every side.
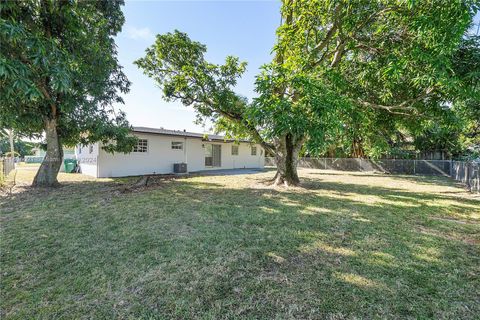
(357, 149)
(286, 159)
(47, 173)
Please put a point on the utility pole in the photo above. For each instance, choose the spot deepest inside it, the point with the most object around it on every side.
(12, 146)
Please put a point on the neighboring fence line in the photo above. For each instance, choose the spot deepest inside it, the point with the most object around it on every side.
(6, 166)
(39, 159)
(33, 159)
(466, 172)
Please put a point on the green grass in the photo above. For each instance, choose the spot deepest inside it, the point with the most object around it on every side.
(342, 246)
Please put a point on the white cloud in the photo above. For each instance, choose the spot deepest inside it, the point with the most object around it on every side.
(139, 33)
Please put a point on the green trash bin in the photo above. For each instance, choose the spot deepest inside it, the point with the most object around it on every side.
(70, 165)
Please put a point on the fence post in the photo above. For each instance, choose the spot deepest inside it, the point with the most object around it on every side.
(414, 166)
(468, 177)
(475, 180)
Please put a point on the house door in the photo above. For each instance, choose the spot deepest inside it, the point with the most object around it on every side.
(213, 155)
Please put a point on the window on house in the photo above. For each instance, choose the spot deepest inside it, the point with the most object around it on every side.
(79, 149)
(90, 148)
(142, 146)
(254, 150)
(177, 145)
(234, 150)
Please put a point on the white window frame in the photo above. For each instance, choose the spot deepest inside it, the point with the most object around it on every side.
(141, 147)
(253, 150)
(235, 147)
(175, 145)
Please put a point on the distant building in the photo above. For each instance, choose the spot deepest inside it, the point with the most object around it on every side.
(67, 152)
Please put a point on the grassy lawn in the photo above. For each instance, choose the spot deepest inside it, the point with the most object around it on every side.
(344, 245)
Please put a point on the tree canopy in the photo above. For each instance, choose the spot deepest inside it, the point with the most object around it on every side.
(361, 67)
(22, 148)
(448, 124)
(59, 74)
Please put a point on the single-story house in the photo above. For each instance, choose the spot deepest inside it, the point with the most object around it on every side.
(159, 151)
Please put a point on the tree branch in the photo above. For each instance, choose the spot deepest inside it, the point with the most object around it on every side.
(405, 105)
(331, 31)
(339, 51)
(251, 128)
(236, 117)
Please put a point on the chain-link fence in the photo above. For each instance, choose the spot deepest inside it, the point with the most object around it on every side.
(466, 172)
(33, 159)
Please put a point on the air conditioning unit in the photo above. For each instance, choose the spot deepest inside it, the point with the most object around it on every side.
(180, 167)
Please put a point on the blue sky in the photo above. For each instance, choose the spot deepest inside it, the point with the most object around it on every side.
(245, 29)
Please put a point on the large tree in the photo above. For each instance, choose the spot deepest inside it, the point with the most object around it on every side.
(466, 105)
(59, 76)
(452, 126)
(332, 58)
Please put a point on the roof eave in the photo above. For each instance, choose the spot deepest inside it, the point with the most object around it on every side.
(187, 136)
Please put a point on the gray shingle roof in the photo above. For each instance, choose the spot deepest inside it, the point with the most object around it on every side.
(181, 133)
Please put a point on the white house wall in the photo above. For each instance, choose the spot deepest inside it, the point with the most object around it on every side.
(88, 161)
(160, 157)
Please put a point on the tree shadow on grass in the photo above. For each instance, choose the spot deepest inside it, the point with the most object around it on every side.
(203, 248)
(436, 180)
(377, 251)
(350, 257)
(388, 193)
